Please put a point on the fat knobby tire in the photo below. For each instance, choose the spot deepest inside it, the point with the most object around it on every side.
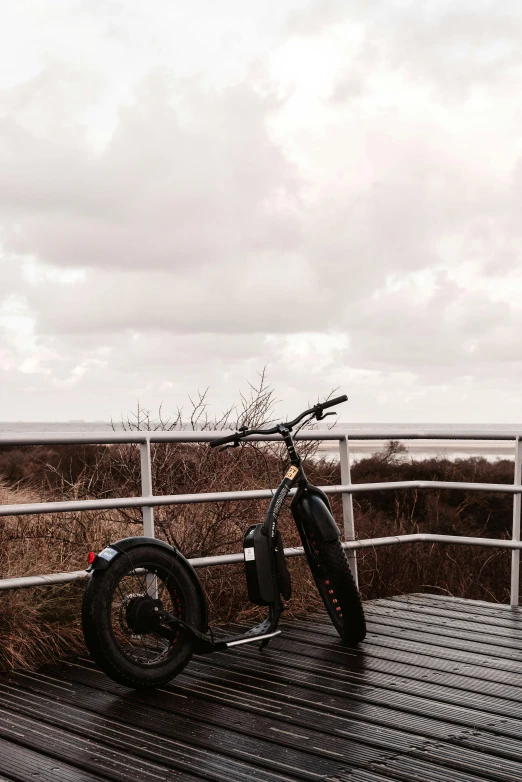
(338, 590)
(97, 620)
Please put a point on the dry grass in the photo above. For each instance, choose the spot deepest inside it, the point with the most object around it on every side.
(462, 571)
(39, 625)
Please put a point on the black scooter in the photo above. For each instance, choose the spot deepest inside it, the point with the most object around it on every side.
(144, 610)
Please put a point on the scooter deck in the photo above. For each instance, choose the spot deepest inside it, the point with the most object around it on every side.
(205, 643)
(236, 640)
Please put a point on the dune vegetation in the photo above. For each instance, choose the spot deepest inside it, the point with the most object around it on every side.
(42, 623)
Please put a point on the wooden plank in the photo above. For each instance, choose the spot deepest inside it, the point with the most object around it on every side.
(412, 769)
(377, 620)
(446, 638)
(498, 614)
(339, 681)
(236, 729)
(429, 656)
(464, 760)
(390, 689)
(83, 753)
(418, 700)
(326, 649)
(454, 689)
(421, 656)
(327, 697)
(408, 747)
(19, 764)
(253, 709)
(137, 743)
(490, 607)
(339, 709)
(459, 653)
(510, 626)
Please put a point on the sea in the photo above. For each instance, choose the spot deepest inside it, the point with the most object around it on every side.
(418, 448)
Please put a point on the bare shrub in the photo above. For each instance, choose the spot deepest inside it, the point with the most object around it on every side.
(462, 571)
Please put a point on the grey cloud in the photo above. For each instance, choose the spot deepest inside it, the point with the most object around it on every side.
(452, 47)
(453, 333)
(176, 185)
(313, 19)
(459, 47)
(260, 296)
(209, 251)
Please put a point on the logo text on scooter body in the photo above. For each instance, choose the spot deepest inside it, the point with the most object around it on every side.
(108, 553)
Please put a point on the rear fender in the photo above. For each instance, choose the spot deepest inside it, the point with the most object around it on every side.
(311, 511)
(110, 553)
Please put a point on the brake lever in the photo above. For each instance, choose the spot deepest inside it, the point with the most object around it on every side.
(231, 445)
(323, 415)
(236, 443)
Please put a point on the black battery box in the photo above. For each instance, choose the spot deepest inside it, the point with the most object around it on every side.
(263, 584)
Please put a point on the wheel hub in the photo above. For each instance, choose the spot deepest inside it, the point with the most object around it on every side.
(141, 614)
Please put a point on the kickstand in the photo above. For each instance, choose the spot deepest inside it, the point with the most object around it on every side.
(274, 622)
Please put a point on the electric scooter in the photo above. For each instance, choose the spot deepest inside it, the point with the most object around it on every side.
(144, 611)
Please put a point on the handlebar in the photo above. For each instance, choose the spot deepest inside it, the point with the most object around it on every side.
(316, 410)
(231, 438)
(332, 402)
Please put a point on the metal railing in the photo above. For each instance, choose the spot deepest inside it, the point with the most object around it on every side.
(147, 501)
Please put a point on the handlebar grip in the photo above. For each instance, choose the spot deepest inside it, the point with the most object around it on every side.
(333, 402)
(231, 438)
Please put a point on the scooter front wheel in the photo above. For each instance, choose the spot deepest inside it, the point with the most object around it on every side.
(119, 616)
(336, 585)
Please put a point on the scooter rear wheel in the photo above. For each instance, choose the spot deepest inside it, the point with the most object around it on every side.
(124, 636)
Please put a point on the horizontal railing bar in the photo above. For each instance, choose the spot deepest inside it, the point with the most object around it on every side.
(132, 502)
(53, 579)
(26, 582)
(26, 509)
(417, 537)
(107, 438)
(427, 537)
(358, 488)
(427, 435)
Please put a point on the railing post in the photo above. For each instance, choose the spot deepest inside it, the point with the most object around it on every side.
(349, 524)
(146, 489)
(517, 504)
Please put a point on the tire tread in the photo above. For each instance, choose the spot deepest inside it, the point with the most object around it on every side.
(333, 559)
(98, 636)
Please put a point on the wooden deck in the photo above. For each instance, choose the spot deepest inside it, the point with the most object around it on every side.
(433, 694)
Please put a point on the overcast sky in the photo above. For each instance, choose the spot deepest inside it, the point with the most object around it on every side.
(191, 191)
